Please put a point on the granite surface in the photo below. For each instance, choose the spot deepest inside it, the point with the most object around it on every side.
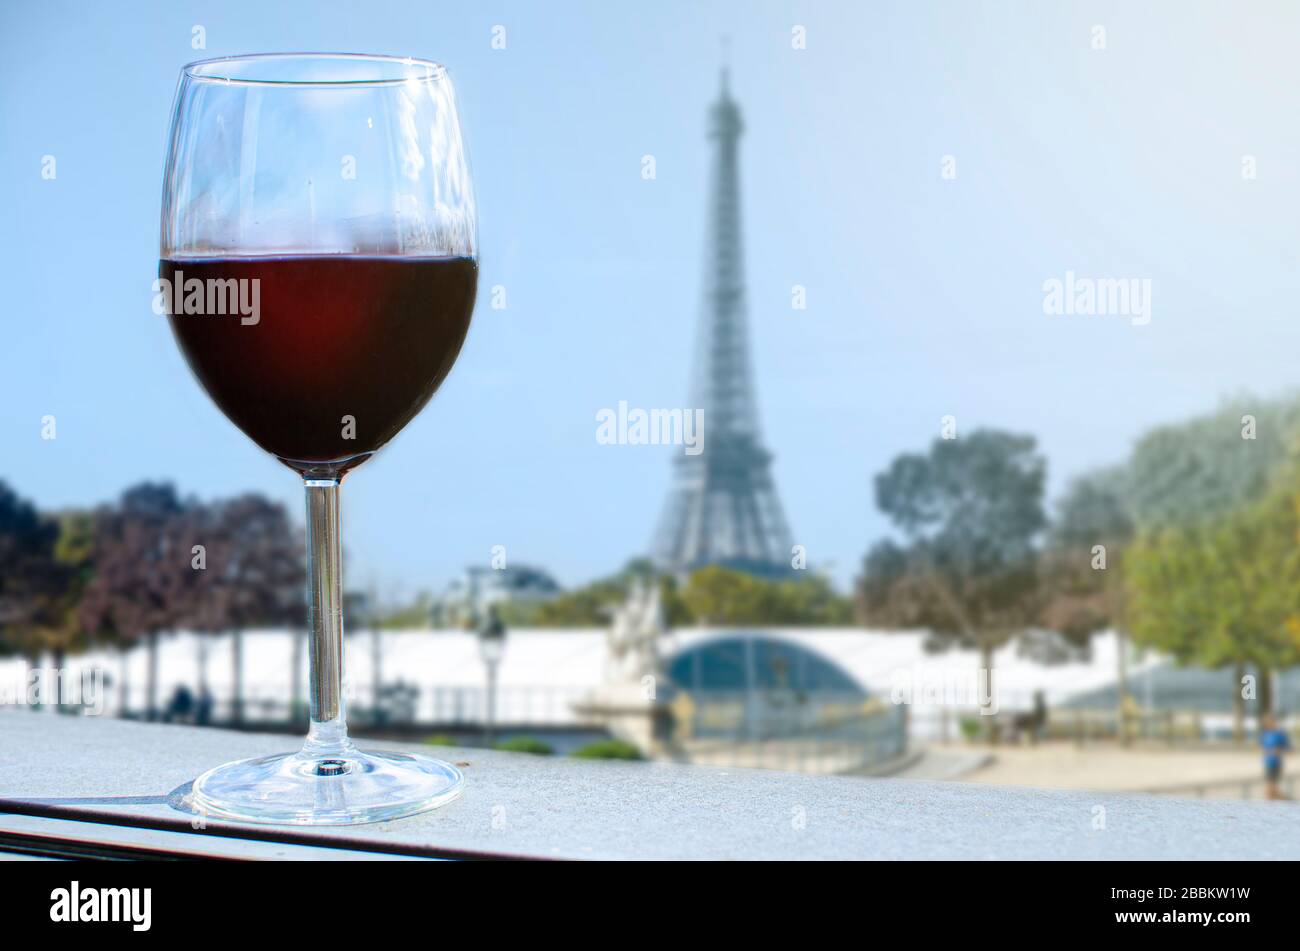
(554, 807)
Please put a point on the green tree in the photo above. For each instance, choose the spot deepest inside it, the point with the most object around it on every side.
(588, 606)
(711, 595)
(413, 614)
(1082, 567)
(591, 605)
(1170, 581)
(142, 574)
(720, 596)
(1210, 465)
(971, 513)
(1259, 570)
(59, 628)
(32, 579)
(1190, 484)
(254, 576)
(1223, 591)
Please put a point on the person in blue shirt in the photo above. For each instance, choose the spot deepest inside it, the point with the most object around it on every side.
(1274, 742)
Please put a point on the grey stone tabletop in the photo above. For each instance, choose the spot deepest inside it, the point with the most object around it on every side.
(517, 805)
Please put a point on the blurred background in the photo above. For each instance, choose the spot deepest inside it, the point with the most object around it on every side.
(988, 309)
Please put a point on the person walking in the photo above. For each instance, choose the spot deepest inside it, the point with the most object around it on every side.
(1275, 743)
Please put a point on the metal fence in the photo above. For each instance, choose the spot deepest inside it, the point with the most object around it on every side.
(1245, 788)
(1175, 728)
(820, 732)
(398, 704)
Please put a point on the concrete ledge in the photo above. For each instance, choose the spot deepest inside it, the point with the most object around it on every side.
(544, 807)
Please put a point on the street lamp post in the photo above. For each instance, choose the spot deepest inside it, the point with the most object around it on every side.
(491, 645)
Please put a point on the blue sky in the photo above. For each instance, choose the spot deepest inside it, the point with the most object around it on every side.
(924, 294)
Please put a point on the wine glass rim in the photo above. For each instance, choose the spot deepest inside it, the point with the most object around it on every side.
(389, 70)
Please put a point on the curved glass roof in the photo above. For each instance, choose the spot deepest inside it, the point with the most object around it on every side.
(757, 661)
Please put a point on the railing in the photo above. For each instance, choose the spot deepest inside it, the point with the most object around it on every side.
(789, 730)
(785, 730)
(436, 707)
(1245, 788)
(1166, 727)
(947, 724)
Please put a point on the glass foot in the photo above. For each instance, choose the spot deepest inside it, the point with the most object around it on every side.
(316, 788)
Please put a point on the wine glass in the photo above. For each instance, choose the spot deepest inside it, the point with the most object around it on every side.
(318, 269)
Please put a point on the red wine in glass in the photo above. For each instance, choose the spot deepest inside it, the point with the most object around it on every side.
(341, 353)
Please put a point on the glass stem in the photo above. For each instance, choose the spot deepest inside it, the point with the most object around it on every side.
(328, 734)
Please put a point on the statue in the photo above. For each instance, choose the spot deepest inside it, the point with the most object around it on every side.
(633, 636)
(631, 703)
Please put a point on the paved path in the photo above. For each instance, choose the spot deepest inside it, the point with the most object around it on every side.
(1110, 767)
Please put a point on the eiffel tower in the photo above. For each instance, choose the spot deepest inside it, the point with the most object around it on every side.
(723, 508)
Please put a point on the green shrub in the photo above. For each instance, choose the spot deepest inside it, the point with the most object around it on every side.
(441, 739)
(608, 749)
(971, 728)
(524, 744)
